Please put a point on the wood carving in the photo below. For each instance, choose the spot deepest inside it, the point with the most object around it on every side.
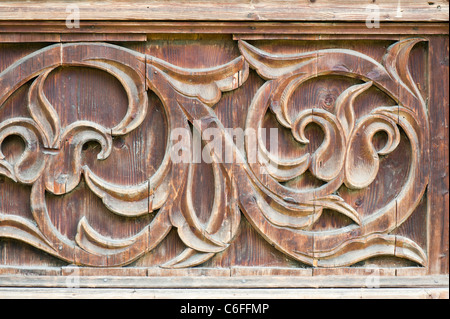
(262, 190)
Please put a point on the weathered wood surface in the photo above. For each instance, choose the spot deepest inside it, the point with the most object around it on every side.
(232, 282)
(359, 179)
(439, 190)
(243, 10)
(44, 31)
(186, 294)
(194, 28)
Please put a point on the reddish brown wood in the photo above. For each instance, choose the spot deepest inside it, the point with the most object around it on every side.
(438, 220)
(244, 30)
(241, 10)
(97, 189)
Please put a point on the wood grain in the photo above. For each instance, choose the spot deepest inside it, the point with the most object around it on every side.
(36, 293)
(129, 30)
(85, 133)
(244, 10)
(438, 191)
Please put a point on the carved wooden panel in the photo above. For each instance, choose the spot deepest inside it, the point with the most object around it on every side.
(214, 152)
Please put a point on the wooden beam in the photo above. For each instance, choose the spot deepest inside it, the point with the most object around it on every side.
(57, 31)
(231, 10)
(62, 293)
(229, 27)
(342, 281)
(439, 187)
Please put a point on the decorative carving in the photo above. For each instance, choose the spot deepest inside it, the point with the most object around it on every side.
(283, 215)
(345, 156)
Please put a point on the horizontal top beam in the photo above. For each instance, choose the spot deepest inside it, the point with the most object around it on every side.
(230, 10)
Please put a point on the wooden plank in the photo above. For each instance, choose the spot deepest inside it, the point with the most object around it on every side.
(269, 271)
(29, 37)
(76, 37)
(113, 271)
(233, 271)
(305, 10)
(438, 217)
(27, 270)
(192, 272)
(58, 293)
(411, 271)
(370, 271)
(313, 37)
(342, 281)
(240, 29)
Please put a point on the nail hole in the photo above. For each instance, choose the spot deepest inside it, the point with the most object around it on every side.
(118, 142)
(358, 202)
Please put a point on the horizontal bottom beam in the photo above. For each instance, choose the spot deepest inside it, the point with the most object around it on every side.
(342, 293)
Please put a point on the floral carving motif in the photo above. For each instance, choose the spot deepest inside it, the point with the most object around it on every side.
(283, 215)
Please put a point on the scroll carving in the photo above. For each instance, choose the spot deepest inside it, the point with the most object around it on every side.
(282, 214)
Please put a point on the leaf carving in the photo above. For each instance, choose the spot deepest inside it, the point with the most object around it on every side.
(192, 232)
(272, 66)
(294, 216)
(327, 160)
(281, 169)
(370, 246)
(129, 201)
(344, 106)
(205, 84)
(91, 241)
(396, 63)
(22, 229)
(188, 258)
(282, 89)
(337, 204)
(43, 112)
(206, 239)
(362, 161)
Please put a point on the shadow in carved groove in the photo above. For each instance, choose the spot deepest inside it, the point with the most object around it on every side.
(266, 191)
